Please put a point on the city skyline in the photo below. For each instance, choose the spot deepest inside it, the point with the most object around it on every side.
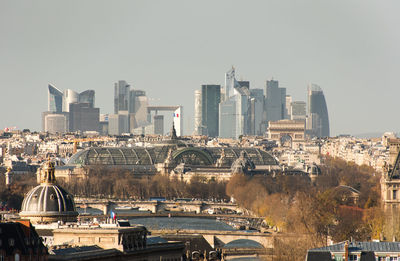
(348, 48)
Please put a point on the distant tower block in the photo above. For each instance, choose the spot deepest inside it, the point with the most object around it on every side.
(8, 175)
(158, 124)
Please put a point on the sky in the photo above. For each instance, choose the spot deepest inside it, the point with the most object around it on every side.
(170, 48)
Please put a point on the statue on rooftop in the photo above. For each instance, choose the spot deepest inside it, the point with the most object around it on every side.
(242, 164)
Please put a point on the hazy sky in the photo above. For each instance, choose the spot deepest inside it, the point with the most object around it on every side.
(169, 48)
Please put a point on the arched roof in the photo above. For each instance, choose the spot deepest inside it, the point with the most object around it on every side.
(153, 155)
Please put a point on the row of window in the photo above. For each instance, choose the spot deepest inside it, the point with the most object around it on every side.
(379, 258)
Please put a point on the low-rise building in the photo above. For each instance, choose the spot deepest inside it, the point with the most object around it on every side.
(356, 251)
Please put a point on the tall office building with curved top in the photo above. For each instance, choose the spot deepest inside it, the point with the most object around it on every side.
(87, 97)
(318, 119)
(55, 99)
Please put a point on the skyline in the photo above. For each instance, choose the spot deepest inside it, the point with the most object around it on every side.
(347, 48)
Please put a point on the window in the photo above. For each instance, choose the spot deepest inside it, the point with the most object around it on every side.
(393, 258)
(11, 242)
(353, 258)
(381, 258)
(394, 194)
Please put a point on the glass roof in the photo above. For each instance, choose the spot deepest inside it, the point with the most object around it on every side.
(154, 155)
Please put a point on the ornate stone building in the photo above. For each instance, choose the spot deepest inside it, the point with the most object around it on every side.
(169, 157)
(287, 133)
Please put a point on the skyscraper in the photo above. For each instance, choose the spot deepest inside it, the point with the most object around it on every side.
(121, 96)
(71, 96)
(208, 112)
(297, 110)
(317, 112)
(87, 97)
(83, 118)
(234, 111)
(59, 105)
(138, 103)
(55, 99)
(256, 111)
(275, 102)
(197, 113)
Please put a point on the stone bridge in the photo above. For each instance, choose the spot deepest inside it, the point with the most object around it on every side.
(213, 236)
(157, 206)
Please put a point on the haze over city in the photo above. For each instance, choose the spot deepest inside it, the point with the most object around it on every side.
(170, 48)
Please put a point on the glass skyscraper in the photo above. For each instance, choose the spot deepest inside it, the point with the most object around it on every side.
(317, 112)
(121, 96)
(87, 97)
(275, 102)
(210, 99)
(55, 99)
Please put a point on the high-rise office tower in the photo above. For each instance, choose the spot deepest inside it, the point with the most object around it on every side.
(231, 83)
(55, 99)
(288, 101)
(87, 97)
(208, 110)
(256, 111)
(70, 97)
(118, 123)
(297, 110)
(234, 111)
(317, 112)
(275, 101)
(121, 96)
(138, 103)
(59, 104)
(83, 118)
(197, 113)
(55, 122)
(227, 119)
(158, 122)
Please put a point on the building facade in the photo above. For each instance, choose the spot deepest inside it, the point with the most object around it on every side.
(83, 117)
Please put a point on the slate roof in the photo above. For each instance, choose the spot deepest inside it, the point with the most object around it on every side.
(72, 250)
(15, 236)
(361, 246)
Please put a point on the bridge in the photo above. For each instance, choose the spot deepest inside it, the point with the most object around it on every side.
(214, 237)
(157, 206)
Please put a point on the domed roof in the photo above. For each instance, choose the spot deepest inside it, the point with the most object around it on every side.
(48, 199)
(48, 202)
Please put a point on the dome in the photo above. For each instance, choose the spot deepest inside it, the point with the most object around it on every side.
(48, 202)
